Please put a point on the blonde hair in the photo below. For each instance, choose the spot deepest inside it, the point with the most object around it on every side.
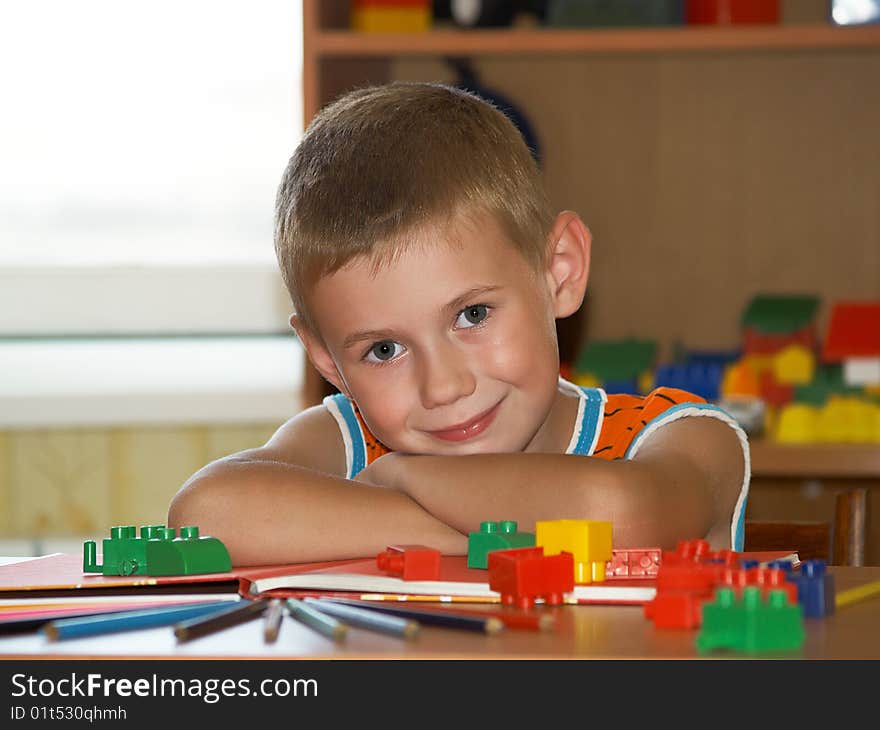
(385, 162)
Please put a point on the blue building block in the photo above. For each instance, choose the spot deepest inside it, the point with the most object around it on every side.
(816, 592)
(702, 379)
(621, 386)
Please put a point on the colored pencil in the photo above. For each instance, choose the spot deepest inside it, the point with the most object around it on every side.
(511, 618)
(446, 619)
(218, 620)
(272, 625)
(127, 620)
(860, 593)
(366, 619)
(325, 625)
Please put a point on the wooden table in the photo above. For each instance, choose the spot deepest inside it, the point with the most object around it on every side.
(582, 632)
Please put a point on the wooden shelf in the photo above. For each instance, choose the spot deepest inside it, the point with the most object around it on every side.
(846, 461)
(344, 43)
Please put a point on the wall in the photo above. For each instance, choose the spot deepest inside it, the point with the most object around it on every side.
(81, 482)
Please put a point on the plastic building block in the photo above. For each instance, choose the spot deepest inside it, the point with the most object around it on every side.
(732, 12)
(524, 575)
(765, 579)
(740, 381)
(156, 552)
(815, 589)
(796, 424)
(773, 392)
(633, 563)
(619, 362)
(794, 365)
(853, 331)
(697, 551)
(501, 535)
(751, 624)
(589, 541)
(780, 314)
(682, 589)
(391, 16)
(410, 562)
(699, 378)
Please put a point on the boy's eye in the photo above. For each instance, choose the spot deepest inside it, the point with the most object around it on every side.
(472, 315)
(384, 351)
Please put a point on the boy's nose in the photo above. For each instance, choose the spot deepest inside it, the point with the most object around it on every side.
(445, 377)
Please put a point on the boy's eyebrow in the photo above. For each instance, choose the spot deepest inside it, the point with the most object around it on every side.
(459, 302)
(469, 296)
(366, 336)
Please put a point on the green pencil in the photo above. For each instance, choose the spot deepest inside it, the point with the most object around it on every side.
(320, 622)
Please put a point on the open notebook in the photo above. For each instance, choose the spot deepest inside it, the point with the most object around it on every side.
(458, 583)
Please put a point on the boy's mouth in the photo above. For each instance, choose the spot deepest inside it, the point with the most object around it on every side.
(468, 429)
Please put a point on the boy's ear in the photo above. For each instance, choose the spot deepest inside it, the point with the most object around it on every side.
(318, 354)
(568, 263)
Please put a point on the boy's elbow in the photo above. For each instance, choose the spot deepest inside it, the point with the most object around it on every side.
(186, 506)
(195, 504)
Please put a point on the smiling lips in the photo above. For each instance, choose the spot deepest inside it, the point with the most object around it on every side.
(468, 429)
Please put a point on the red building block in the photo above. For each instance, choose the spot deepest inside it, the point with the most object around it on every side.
(759, 343)
(522, 575)
(410, 562)
(697, 551)
(773, 392)
(682, 588)
(732, 12)
(766, 579)
(633, 563)
(854, 331)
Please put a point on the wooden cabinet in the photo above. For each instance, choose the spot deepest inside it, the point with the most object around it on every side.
(710, 163)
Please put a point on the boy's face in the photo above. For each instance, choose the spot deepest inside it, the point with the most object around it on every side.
(449, 349)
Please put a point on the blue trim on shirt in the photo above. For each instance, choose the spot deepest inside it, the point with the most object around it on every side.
(663, 415)
(590, 421)
(358, 449)
(739, 535)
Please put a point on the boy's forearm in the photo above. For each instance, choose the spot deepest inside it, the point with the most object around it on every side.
(463, 491)
(271, 512)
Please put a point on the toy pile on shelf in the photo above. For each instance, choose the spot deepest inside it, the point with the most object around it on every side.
(784, 381)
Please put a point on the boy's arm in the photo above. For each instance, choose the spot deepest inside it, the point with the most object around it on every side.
(683, 483)
(286, 502)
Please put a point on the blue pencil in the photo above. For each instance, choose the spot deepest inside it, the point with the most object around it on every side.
(127, 620)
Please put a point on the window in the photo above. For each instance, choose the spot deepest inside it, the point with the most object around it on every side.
(141, 147)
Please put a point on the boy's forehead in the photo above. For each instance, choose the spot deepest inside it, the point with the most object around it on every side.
(422, 274)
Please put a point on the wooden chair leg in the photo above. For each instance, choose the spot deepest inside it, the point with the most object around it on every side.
(849, 527)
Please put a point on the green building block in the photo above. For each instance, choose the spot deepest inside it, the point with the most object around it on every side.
(780, 314)
(495, 536)
(608, 360)
(751, 624)
(157, 551)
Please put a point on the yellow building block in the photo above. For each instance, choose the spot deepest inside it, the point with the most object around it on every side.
(586, 379)
(589, 541)
(796, 423)
(646, 382)
(391, 20)
(794, 365)
(846, 419)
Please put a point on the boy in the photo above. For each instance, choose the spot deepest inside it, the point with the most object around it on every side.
(427, 272)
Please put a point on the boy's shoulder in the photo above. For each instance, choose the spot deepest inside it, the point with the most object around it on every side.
(629, 419)
(310, 439)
